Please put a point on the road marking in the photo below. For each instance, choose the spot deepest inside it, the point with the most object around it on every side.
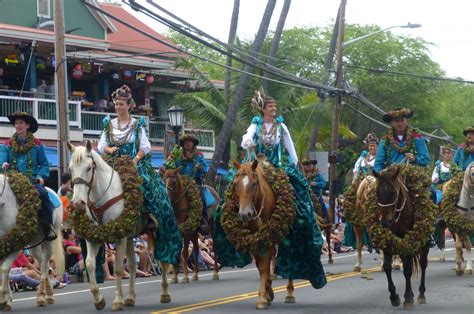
(250, 295)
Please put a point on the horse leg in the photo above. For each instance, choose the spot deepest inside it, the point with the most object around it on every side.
(327, 230)
(358, 234)
(174, 279)
(165, 296)
(458, 245)
(185, 254)
(5, 292)
(273, 276)
(196, 258)
(45, 290)
(387, 267)
(263, 265)
(117, 304)
(290, 298)
(132, 269)
(270, 293)
(407, 271)
(215, 275)
(92, 250)
(423, 264)
(442, 241)
(468, 246)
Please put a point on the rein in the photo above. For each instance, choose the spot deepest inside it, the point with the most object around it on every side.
(402, 190)
(259, 213)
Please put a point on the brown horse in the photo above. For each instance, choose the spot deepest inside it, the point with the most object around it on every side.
(180, 203)
(253, 191)
(398, 216)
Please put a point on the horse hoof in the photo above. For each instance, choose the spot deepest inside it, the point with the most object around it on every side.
(442, 259)
(273, 277)
(215, 277)
(7, 307)
(100, 305)
(41, 301)
(407, 305)
(396, 267)
(185, 280)
(2, 305)
(395, 300)
(290, 299)
(459, 272)
(50, 300)
(468, 272)
(165, 298)
(421, 300)
(357, 269)
(330, 261)
(174, 280)
(117, 306)
(195, 278)
(129, 302)
(262, 305)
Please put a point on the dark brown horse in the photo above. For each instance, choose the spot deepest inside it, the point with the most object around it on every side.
(180, 203)
(254, 192)
(397, 215)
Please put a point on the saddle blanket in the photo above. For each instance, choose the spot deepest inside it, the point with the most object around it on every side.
(53, 199)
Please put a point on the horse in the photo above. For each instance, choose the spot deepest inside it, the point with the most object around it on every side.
(465, 207)
(254, 191)
(41, 250)
(94, 180)
(177, 194)
(397, 215)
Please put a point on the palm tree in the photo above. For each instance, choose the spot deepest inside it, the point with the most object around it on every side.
(276, 39)
(224, 135)
(232, 34)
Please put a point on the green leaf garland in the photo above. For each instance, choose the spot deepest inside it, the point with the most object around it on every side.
(350, 198)
(193, 196)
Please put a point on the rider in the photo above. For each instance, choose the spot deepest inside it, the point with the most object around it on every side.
(193, 164)
(315, 180)
(126, 135)
(366, 160)
(465, 152)
(25, 153)
(268, 135)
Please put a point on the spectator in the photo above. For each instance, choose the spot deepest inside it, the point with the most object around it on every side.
(74, 260)
(2, 84)
(101, 104)
(41, 89)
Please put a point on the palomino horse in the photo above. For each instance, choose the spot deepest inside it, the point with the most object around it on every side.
(8, 213)
(465, 207)
(95, 180)
(253, 191)
(398, 216)
(180, 203)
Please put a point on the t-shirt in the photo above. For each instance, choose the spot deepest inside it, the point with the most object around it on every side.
(71, 259)
(20, 261)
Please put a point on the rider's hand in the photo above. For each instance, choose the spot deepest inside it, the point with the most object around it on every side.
(410, 156)
(112, 150)
(5, 166)
(312, 183)
(436, 180)
(40, 181)
(197, 166)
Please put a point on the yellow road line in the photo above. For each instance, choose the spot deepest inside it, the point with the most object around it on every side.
(250, 295)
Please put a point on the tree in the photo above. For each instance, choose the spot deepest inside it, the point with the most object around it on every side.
(232, 34)
(224, 135)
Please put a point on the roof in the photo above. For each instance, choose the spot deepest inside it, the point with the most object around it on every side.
(127, 39)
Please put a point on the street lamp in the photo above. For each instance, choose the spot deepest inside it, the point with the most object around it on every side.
(176, 116)
(409, 25)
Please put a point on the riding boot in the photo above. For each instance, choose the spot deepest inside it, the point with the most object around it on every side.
(151, 224)
(46, 211)
(50, 234)
(431, 241)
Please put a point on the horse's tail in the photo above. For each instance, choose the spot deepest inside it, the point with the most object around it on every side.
(415, 265)
(151, 243)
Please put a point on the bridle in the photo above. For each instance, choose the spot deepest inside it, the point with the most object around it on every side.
(467, 185)
(173, 189)
(97, 212)
(402, 191)
(256, 215)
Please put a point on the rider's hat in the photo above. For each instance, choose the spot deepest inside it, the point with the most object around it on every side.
(371, 138)
(259, 100)
(188, 137)
(398, 113)
(25, 117)
(446, 148)
(468, 130)
(308, 160)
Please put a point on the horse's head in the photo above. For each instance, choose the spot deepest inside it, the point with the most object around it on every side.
(387, 192)
(83, 168)
(469, 175)
(245, 188)
(173, 182)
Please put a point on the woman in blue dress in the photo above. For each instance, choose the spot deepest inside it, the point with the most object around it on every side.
(126, 135)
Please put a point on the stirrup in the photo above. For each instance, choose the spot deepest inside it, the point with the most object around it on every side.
(50, 234)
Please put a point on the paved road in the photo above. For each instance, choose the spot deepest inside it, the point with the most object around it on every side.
(346, 292)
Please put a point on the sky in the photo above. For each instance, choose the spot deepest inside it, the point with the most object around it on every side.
(447, 25)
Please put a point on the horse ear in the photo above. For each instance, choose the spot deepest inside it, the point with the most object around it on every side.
(89, 146)
(254, 165)
(375, 174)
(236, 164)
(70, 147)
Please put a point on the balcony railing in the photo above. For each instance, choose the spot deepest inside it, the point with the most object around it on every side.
(44, 110)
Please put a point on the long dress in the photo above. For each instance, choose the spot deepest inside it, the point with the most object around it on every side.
(130, 139)
(299, 254)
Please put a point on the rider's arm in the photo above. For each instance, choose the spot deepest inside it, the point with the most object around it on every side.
(457, 157)
(43, 164)
(422, 154)
(247, 138)
(320, 182)
(290, 147)
(145, 146)
(4, 155)
(102, 146)
(435, 175)
(380, 157)
(356, 169)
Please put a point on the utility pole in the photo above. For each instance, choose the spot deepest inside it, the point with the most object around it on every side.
(337, 109)
(61, 86)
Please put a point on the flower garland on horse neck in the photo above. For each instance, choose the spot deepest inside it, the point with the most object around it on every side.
(455, 221)
(125, 224)
(273, 231)
(193, 195)
(350, 199)
(26, 225)
(25, 149)
(417, 183)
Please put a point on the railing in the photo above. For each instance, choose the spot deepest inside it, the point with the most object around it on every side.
(157, 131)
(44, 110)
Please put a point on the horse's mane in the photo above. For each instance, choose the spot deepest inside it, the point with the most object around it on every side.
(80, 153)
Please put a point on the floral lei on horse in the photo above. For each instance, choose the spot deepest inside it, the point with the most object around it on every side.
(350, 199)
(195, 206)
(26, 225)
(125, 224)
(455, 221)
(275, 230)
(417, 182)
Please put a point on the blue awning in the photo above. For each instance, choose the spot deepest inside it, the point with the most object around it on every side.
(157, 159)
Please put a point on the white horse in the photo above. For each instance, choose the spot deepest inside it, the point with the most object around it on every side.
(42, 251)
(465, 207)
(96, 181)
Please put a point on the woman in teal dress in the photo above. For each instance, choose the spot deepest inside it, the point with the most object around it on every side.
(125, 135)
(299, 254)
